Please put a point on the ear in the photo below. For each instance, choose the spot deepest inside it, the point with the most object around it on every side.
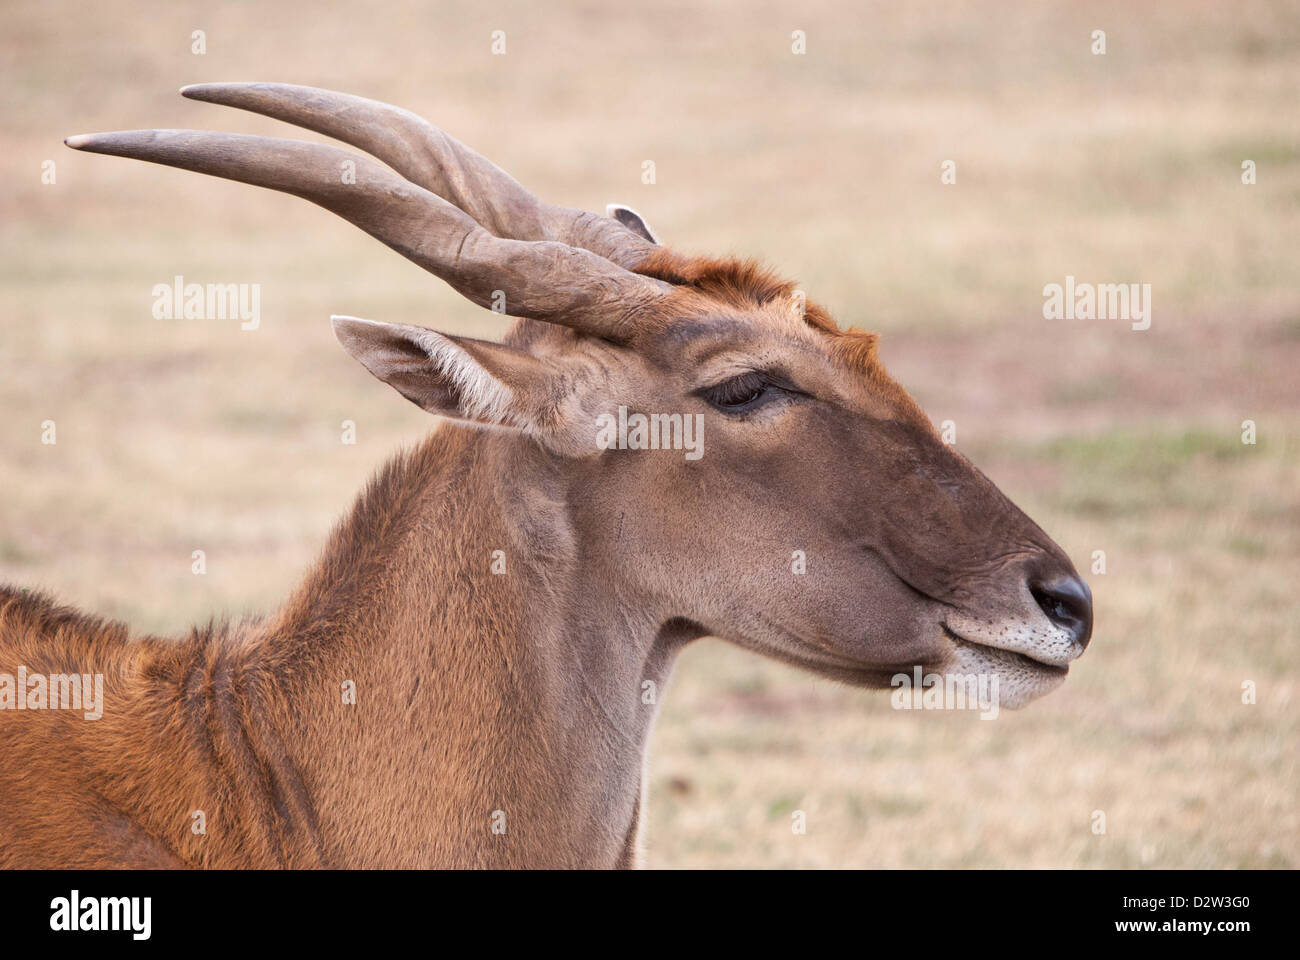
(631, 219)
(452, 376)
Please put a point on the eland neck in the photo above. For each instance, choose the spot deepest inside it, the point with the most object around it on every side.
(504, 692)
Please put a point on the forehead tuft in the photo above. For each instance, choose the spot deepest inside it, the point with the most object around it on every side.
(736, 282)
(744, 284)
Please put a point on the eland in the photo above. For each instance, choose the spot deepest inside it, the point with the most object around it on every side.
(500, 599)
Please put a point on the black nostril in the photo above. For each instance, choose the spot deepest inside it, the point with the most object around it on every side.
(1068, 604)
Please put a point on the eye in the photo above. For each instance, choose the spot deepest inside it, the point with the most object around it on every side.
(739, 394)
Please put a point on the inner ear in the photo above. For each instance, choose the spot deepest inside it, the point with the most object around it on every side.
(632, 220)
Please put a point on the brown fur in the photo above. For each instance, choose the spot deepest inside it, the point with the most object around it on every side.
(744, 283)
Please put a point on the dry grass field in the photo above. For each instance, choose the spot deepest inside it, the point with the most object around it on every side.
(1125, 167)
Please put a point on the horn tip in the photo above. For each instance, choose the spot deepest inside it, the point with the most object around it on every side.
(78, 141)
(211, 92)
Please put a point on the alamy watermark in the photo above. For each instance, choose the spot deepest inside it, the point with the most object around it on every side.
(656, 431)
(945, 691)
(1098, 301)
(104, 914)
(57, 691)
(179, 300)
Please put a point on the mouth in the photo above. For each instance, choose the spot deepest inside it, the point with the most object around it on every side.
(1012, 656)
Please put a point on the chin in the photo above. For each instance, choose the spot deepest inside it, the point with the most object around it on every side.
(1020, 678)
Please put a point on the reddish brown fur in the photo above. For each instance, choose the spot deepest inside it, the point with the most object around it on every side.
(229, 719)
(745, 283)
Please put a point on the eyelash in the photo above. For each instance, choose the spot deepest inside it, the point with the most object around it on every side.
(740, 394)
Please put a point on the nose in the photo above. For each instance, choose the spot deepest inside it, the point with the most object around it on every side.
(1067, 601)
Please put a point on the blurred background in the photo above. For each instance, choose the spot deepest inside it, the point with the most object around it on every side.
(178, 435)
